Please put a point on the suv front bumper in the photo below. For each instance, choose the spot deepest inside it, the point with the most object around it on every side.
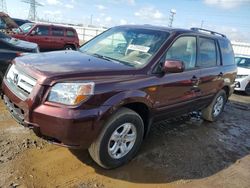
(74, 128)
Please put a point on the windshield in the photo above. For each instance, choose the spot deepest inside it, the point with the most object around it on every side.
(25, 28)
(132, 47)
(243, 62)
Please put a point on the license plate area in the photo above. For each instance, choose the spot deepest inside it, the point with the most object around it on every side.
(17, 113)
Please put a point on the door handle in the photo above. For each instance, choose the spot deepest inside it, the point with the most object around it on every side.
(221, 74)
(194, 79)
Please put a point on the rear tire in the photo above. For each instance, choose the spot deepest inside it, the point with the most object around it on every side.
(69, 47)
(214, 110)
(119, 140)
(247, 89)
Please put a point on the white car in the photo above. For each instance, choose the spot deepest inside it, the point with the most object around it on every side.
(242, 82)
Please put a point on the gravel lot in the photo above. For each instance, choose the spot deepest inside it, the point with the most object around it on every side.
(177, 153)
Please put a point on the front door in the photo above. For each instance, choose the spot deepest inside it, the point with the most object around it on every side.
(177, 92)
(40, 35)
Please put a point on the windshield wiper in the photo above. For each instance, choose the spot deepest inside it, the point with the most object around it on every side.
(102, 57)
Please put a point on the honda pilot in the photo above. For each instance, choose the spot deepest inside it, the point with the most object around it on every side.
(106, 96)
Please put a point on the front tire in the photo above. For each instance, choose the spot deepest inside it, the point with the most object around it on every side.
(214, 110)
(119, 140)
(247, 89)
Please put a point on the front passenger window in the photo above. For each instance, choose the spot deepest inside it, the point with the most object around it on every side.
(42, 31)
(183, 49)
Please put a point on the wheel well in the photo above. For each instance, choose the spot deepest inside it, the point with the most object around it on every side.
(226, 89)
(143, 111)
(70, 45)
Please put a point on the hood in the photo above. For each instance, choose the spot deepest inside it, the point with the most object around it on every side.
(24, 44)
(67, 64)
(243, 71)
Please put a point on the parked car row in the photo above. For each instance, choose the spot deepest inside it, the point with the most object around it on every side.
(48, 37)
(11, 48)
(243, 75)
(22, 36)
(106, 95)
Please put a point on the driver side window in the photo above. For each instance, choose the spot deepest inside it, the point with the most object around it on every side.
(183, 49)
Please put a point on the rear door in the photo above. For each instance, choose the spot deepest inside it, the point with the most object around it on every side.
(57, 38)
(209, 62)
(41, 36)
(179, 91)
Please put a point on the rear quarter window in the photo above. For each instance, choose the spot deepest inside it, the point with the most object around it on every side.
(70, 33)
(226, 52)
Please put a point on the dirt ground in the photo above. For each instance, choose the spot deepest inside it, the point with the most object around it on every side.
(177, 153)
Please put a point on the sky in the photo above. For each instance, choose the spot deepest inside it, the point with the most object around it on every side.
(231, 17)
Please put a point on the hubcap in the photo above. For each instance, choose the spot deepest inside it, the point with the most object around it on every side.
(218, 106)
(122, 140)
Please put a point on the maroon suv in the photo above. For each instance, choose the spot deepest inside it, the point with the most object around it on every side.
(48, 37)
(106, 96)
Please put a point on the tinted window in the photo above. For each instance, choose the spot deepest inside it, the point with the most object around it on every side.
(226, 52)
(207, 54)
(57, 32)
(184, 49)
(42, 30)
(70, 33)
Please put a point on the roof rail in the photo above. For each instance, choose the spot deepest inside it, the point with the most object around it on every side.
(209, 31)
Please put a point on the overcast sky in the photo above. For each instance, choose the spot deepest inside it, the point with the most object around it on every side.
(231, 17)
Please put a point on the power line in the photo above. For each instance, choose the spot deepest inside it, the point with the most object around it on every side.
(171, 17)
(3, 6)
(33, 5)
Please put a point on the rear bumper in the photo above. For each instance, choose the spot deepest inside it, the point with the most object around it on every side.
(74, 128)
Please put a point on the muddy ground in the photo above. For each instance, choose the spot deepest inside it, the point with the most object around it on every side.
(177, 153)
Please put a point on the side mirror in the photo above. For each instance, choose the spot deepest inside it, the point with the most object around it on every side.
(33, 33)
(173, 66)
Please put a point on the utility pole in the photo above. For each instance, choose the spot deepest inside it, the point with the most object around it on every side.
(202, 23)
(32, 12)
(171, 17)
(91, 19)
(3, 6)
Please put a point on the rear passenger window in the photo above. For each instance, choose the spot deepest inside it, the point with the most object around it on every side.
(57, 32)
(42, 30)
(70, 33)
(226, 52)
(207, 53)
(184, 49)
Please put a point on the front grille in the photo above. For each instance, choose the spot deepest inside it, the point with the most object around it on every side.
(20, 82)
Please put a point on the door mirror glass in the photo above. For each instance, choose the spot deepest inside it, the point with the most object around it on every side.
(173, 66)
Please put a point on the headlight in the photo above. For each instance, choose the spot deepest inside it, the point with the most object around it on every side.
(71, 93)
(241, 76)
